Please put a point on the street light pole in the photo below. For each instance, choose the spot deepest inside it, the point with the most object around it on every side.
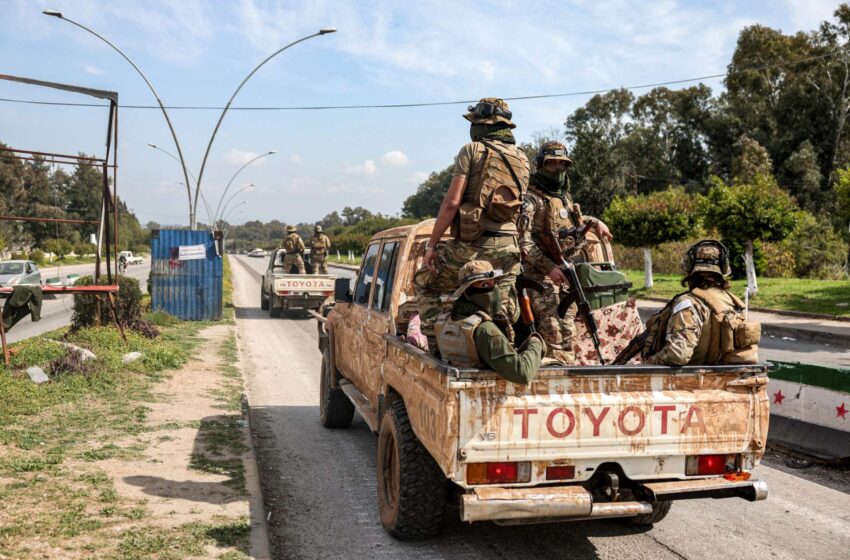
(188, 187)
(238, 171)
(323, 31)
(58, 14)
(226, 204)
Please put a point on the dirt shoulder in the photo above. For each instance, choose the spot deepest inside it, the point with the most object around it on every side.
(135, 465)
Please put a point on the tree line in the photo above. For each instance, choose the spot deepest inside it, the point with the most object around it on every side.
(37, 189)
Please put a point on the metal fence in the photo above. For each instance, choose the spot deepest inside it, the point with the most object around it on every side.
(186, 274)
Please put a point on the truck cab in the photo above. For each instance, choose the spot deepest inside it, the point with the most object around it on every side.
(578, 442)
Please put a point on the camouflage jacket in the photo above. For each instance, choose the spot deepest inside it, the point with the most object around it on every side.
(684, 331)
(532, 225)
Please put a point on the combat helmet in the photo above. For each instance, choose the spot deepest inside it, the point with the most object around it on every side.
(708, 255)
(474, 271)
(318, 228)
(552, 150)
(290, 229)
(490, 110)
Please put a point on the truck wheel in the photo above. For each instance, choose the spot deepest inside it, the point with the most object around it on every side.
(264, 301)
(335, 410)
(275, 311)
(660, 509)
(411, 487)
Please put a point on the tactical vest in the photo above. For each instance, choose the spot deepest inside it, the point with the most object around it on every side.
(726, 337)
(456, 340)
(318, 244)
(559, 214)
(291, 245)
(492, 199)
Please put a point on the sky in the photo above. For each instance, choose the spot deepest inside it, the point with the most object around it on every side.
(196, 53)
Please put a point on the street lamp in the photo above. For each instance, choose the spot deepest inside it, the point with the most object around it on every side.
(323, 31)
(188, 188)
(243, 189)
(192, 208)
(238, 171)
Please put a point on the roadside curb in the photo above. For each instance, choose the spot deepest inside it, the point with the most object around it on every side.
(344, 266)
(802, 334)
(260, 543)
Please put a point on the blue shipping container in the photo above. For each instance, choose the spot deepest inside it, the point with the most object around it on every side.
(186, 274)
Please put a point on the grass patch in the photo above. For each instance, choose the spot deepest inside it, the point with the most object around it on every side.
(785, 294)
(343, 259)
(228, 311)
(187, 540)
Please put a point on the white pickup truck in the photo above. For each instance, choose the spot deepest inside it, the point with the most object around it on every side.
(282, 290)
(579, 442)
(131, 259)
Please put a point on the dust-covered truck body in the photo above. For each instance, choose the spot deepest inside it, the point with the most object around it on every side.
(281, 289)
(577, 442)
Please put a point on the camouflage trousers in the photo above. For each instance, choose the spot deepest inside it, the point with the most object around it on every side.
(320, 263)
(559, 334)
(293, 260)
(502, 252)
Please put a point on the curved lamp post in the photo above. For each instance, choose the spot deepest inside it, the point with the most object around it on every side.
(238, 171)
(188, 188)
(192, 207)
(323, 31)
(229, 200)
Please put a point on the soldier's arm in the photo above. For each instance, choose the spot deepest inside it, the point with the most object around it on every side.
(534, 255)
(683, 332)
(301, 244)
(327, 242)
(500, 355)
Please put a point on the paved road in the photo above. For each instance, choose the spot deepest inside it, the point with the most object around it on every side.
(320, 496)
(57, 312)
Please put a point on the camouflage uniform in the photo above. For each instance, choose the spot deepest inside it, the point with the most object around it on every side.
(543, 212)
(693, 332)
(294, 247)
(319, 246)
(496, 241)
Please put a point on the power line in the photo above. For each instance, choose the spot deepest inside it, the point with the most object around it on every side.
(425, 104)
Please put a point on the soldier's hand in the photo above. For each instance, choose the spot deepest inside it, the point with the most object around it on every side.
(430, 260)
(602, 231)
(557, 276)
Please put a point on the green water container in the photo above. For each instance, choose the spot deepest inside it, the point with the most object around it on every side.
(603, 284)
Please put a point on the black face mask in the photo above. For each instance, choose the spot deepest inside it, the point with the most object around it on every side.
(488, 300)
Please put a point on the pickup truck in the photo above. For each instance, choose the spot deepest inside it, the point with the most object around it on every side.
(281, 289)
(131, 259)
(579, 442)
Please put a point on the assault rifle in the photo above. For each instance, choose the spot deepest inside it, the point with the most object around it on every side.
(523, 284)
(552, 246)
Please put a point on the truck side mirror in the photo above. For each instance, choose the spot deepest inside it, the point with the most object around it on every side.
(342, 291)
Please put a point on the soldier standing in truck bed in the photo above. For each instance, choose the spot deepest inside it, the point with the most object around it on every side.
(319, 247)
(547, 208)
(481, 207)
(294, 247)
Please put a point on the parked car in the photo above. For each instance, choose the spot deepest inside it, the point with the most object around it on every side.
(257, 253)
(19, 273)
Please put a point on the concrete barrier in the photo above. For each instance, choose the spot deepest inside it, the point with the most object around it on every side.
(810, 409)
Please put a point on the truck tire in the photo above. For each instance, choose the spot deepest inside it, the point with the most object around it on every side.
(660, 509)
(335, 410)
(411, 487)
(264, 301)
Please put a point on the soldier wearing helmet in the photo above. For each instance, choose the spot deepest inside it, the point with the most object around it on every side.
(319, 247)
(294, 247)
(707, 324)
(468, 337)
(481, 207)
(548, 208)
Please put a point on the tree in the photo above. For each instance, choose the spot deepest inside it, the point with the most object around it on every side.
(751, 161)
(425, 202)
(59, 247)
(802, 170)
(750, 211)
(352, 216)
(646, 221)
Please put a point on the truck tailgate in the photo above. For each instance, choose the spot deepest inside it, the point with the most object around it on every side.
(304, 284)
(630, 415)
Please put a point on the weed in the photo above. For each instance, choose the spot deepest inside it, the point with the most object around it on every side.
(232, 468)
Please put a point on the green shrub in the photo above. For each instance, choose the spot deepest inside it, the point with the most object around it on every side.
(128, 304)
(37, 256)
(818, 250)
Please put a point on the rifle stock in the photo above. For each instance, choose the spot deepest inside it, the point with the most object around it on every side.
(633, 349)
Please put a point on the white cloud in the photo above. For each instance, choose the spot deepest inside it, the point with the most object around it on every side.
(367, 168)
(239, 157)
(89, 69)
(295, 158)
(395, 157)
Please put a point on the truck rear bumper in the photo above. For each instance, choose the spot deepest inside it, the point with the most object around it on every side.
(299, 301)
(574, 502)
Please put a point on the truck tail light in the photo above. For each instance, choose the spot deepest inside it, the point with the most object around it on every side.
(696, 465)
(498, 473)
(560, 472)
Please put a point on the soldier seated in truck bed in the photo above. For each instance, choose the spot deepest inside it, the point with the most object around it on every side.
(468, 337)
